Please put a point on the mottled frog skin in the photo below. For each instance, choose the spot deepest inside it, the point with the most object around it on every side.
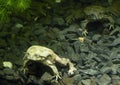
(95, 12)
(47, 57)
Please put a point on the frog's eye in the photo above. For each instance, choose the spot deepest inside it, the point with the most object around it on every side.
(36, 55)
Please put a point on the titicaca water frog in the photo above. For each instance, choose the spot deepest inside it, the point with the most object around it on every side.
(47, 57)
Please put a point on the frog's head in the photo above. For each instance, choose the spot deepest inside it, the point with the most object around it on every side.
(94, 12)
(34, 57)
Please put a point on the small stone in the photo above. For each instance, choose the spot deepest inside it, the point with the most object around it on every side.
(114, 68)
(115, 80)
(86, 82)
(67, 81)
(7, 64)
(46, 76)
(104, 80)
(33, 79)
(9, 77)
(90, 71)
(115, 77)
(8, 71)
(93, 81)
(77, 79)
(79, 83)
(105, 69)
(84, 48)
(96, 37)
(18, 25)
(116, 42)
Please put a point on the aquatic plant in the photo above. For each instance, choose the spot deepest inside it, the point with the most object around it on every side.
(10, 7)
(25, 8)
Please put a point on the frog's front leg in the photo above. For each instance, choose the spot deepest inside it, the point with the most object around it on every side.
(117, 29)
(111, 22)
(24, 68)
(83, 26)
(85, 32)
(65, 62)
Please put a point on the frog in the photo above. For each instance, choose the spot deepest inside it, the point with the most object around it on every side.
(47, 57)
(94, 13)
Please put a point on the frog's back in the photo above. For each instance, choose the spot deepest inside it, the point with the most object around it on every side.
(39, 50)
(37, 47)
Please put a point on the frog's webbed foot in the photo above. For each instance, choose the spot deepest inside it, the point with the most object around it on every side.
(111, 26)
(56, 77)
(83, 26)
(72, 71)
(117, 29)
(85, 32)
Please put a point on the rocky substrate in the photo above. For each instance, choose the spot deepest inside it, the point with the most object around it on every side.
(96, 56)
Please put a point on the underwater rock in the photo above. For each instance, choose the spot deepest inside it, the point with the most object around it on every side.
(70, 36)
(115, 80)
(32, 80)
(113, 54)
(96, 37)
(77, 79)
(105, 70)
(58, 21)
(67, 81)
(18, 25)
(90, 71)
(116, 42)
(116, 61)
(84, 48)
(104, 80)
(46, 77)
(86, 82)
(93, 80)
(8, 71)
(7, 64)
